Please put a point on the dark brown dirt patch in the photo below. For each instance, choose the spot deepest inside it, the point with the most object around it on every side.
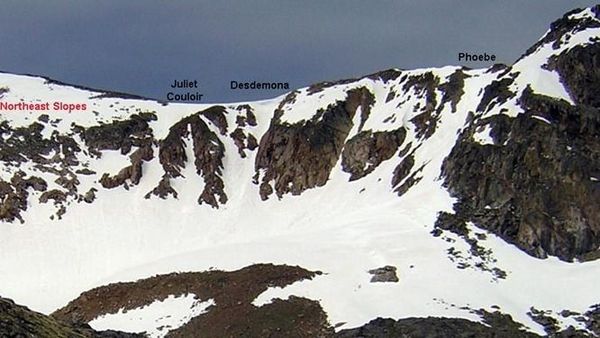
(233, 292)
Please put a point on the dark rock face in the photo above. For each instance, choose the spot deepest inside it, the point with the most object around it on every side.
(563, 27)
(431, 328)
(365, 151)
(23, 143)
(239, 139)
(20, 322)
(300, 156)
(363, 98)
(249, 118)
(14, 195)
(209, 152)
(208, 158)
(386, 274)
(495, 93)
(171, 153)
(579, 70)
(385, 75)
(403, 169)
(424, 86)
(534, 186)
(319, 87)
(244, 140)
(120, 135)
(56, 195)
(453, 90)
(403, 173)
(593, 317)
(163, 189)
(549, 323)
(123, 136)
(55, 154)
(216, 115)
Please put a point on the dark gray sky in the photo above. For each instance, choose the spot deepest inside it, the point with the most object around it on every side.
(140, 47)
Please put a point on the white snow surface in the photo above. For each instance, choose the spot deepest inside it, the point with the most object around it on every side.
(483, 136)
(343, 229)
(155, 319)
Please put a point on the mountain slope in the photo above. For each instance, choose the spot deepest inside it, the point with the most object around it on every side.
(460, 179)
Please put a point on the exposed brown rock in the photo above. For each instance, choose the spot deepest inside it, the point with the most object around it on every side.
(363, 98)
(56, 195)
(533, 187)
(171, 152)
(550, 324)
(34, 182)
(120, 135)
(110, 182)
(240, 121)
(497, 67)
(208, 157)
(496, 93)
(385, 75)
(290, 98)
(133, 172)
(432, 327)
(579, 69)
(14, 195)
(239, 137)
(44, 118)
(300, 156)
(424, 86)
(391, 95)
(252, 143)
(561, 27)
(386, 274)
(68, 181)
(85, 171)
(90, 195)
(163, 189)
(216, 115)
(453, 90)
(12, 205)
(18, 145)
(233, 313)
(250, 118)
(403, 169)
(366, 150)
(319, 87)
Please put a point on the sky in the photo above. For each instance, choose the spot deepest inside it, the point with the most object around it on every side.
(141, 47)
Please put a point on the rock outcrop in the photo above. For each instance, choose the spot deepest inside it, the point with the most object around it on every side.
(365, 151)
(296, 157)
(208, 151)
(232, 315)
(535, 185)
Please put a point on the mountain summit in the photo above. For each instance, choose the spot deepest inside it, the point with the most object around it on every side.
(446, 192)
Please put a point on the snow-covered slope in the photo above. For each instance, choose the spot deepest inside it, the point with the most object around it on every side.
(341, 177)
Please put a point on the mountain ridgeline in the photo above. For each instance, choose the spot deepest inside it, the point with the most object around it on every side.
(535, 183)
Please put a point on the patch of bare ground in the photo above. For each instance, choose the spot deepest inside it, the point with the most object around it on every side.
(232, 292)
